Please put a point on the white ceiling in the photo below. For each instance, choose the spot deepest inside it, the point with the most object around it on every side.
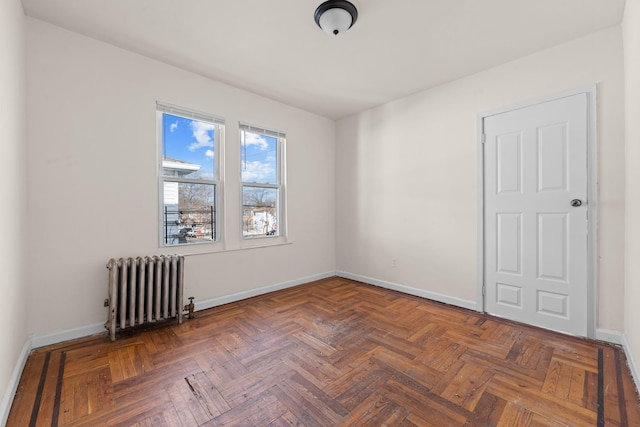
(275, 49)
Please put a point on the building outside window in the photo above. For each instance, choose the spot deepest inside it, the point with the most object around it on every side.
(189, 175)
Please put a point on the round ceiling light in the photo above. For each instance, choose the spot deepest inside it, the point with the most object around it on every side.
(336, 16)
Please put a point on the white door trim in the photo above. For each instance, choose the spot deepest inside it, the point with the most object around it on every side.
(592, 206)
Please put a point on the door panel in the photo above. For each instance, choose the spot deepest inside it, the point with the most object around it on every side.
(508, 167)
(553, 304)
(509, 295)
(552, 246)
(509, 255)
(552, 158)
(535, 163)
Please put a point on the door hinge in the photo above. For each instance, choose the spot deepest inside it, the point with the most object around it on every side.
(483, 138)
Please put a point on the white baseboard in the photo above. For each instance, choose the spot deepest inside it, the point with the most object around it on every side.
(226, 299)
(614, 337)
(458, 302)
(96, 328)
(56, 337)
(632, 362)
(83, 331)
(7, 399)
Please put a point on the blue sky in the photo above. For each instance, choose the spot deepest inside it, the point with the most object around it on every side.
(258, 158)
(190, 141)
(193, 141)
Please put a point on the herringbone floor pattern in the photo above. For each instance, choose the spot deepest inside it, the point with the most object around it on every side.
(332, 352)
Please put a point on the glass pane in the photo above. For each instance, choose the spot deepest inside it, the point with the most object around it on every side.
(189, 213)
(187, 148)
(259, 158)
(259, 211)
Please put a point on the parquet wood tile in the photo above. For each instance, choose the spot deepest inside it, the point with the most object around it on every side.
(329, 353)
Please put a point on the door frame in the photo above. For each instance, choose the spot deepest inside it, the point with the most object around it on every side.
(592, 202)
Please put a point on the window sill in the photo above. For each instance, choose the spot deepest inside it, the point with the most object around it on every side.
(200, 249)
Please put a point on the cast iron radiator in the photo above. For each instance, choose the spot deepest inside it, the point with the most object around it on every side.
(144, 290)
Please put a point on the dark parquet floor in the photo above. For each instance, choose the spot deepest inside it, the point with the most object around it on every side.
(331, 352)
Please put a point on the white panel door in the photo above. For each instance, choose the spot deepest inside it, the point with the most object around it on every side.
(535, 196)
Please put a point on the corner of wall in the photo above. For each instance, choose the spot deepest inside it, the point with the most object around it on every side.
(634, 367)
(631, 44)
(13, 248)
(10, 392)
(434, 296)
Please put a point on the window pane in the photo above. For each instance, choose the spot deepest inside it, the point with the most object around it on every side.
(259, 211)
(259, 158)
(189, 213)
(187, 148)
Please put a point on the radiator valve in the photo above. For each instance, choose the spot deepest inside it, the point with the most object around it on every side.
(190, 308)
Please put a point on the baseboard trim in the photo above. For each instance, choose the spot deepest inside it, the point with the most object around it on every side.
(38, 341)
(238, 296)
(613, 337)
(458, 302)
(631, 361)
(10, 392)
(56, 337)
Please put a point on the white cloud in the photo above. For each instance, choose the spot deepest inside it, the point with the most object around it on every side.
(209, 153)
(258, 172)
(255, 139)
(201, 132)
(173, 126)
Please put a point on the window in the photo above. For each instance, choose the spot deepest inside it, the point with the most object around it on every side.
(262, 178)
(189, 175)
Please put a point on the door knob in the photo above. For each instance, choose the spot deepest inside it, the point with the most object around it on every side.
(576, 202)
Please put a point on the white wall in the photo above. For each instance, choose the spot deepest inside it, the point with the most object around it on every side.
(406, 173)
(405, 176)
(631, 33)
(13, 200)
(93, 186)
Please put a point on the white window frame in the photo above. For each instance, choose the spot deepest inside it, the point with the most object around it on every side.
(216, 182)
(280, 186)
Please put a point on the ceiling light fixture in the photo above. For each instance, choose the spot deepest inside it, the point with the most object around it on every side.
(336, 16)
